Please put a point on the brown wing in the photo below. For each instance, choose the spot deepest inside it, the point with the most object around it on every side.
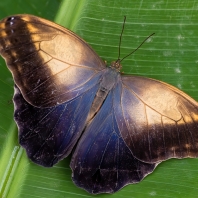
(157, 121)
(49, 63)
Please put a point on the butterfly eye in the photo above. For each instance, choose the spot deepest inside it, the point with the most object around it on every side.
(116, 65)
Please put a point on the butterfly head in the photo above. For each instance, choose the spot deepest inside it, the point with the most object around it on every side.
(116, 65)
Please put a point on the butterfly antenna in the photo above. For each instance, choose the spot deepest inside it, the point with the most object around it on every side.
(137, 47)
(121, 37)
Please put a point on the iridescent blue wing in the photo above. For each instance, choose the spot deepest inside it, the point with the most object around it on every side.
(102, 162)
(50, 64)
(157, 121)
(49, 134)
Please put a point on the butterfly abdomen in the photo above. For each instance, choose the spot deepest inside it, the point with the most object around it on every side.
(108, 81)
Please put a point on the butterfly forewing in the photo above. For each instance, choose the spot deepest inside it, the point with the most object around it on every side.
(50, 64)
(156, 120)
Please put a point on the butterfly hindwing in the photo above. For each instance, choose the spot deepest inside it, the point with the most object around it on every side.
(49, 134)
(49, 63)
(102, 162)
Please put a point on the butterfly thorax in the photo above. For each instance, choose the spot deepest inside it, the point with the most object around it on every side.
(108, 81)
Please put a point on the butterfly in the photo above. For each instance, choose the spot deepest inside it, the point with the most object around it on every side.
(117, 128)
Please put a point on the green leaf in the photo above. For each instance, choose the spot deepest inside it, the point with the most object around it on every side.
(170, 56)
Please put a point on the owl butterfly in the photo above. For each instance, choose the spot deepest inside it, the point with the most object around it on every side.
(118, 128)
